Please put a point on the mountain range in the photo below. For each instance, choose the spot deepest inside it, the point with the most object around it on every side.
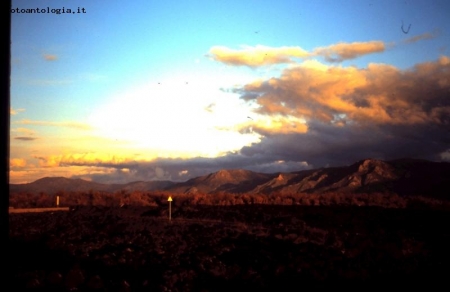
(402, 177)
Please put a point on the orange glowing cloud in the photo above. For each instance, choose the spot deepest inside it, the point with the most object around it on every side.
(420, 37)
(16, 111)
(83, 159)
(256, 56)
(379, 94)
(49, 57)
(345, 51)
(17, 163)
(280, 125)
(262, 55)
(274, 124)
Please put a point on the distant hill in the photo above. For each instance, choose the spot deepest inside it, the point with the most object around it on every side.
(403, 177)
(51, 185)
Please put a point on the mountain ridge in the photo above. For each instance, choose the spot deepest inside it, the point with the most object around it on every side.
(404, 176)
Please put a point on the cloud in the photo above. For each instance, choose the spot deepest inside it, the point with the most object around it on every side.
(325, 144)
(25, 138)
(75, 125)
(446, 155)
(351, 114)
(262, 55)
(50, 57)
(108, 168)
(183, 172)
(86, 159)
(274, 124)
(17, 163)
(23, 134)
(280, 166)
(420, 37)
(22, 131)
(346, 51)
(161, 174)
(16, 111)
(256, 56)
(379, 94)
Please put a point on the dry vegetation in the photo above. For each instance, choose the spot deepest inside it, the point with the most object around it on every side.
(139, 198)
(125, 242)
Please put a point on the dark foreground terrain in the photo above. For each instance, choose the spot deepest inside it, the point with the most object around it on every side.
(220, 248)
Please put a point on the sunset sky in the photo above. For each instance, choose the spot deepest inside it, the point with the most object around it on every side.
(171, 90)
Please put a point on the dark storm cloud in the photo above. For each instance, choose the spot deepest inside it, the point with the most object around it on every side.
(328, 145)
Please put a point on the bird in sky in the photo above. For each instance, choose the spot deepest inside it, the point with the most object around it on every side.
(406, 31)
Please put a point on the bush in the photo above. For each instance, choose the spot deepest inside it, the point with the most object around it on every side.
(139, 198)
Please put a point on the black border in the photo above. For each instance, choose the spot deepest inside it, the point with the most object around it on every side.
(5, 65)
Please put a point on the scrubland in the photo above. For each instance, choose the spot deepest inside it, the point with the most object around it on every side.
(125, 242)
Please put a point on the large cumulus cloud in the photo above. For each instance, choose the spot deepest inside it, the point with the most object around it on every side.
(379, 94)
(352, 113)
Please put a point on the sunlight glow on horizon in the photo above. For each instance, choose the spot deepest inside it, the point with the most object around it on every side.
(171, 117)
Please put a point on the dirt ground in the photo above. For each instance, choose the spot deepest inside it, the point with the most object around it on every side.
(220, 248)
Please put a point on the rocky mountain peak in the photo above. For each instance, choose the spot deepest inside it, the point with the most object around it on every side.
(370, 164)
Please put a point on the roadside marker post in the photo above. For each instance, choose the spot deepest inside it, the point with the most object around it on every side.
(170, 207)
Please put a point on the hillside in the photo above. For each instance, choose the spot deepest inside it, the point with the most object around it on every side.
(231, 181)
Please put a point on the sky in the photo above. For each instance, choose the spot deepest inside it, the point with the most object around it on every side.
(117, 92)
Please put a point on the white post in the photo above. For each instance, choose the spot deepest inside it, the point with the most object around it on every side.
(170, 208)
